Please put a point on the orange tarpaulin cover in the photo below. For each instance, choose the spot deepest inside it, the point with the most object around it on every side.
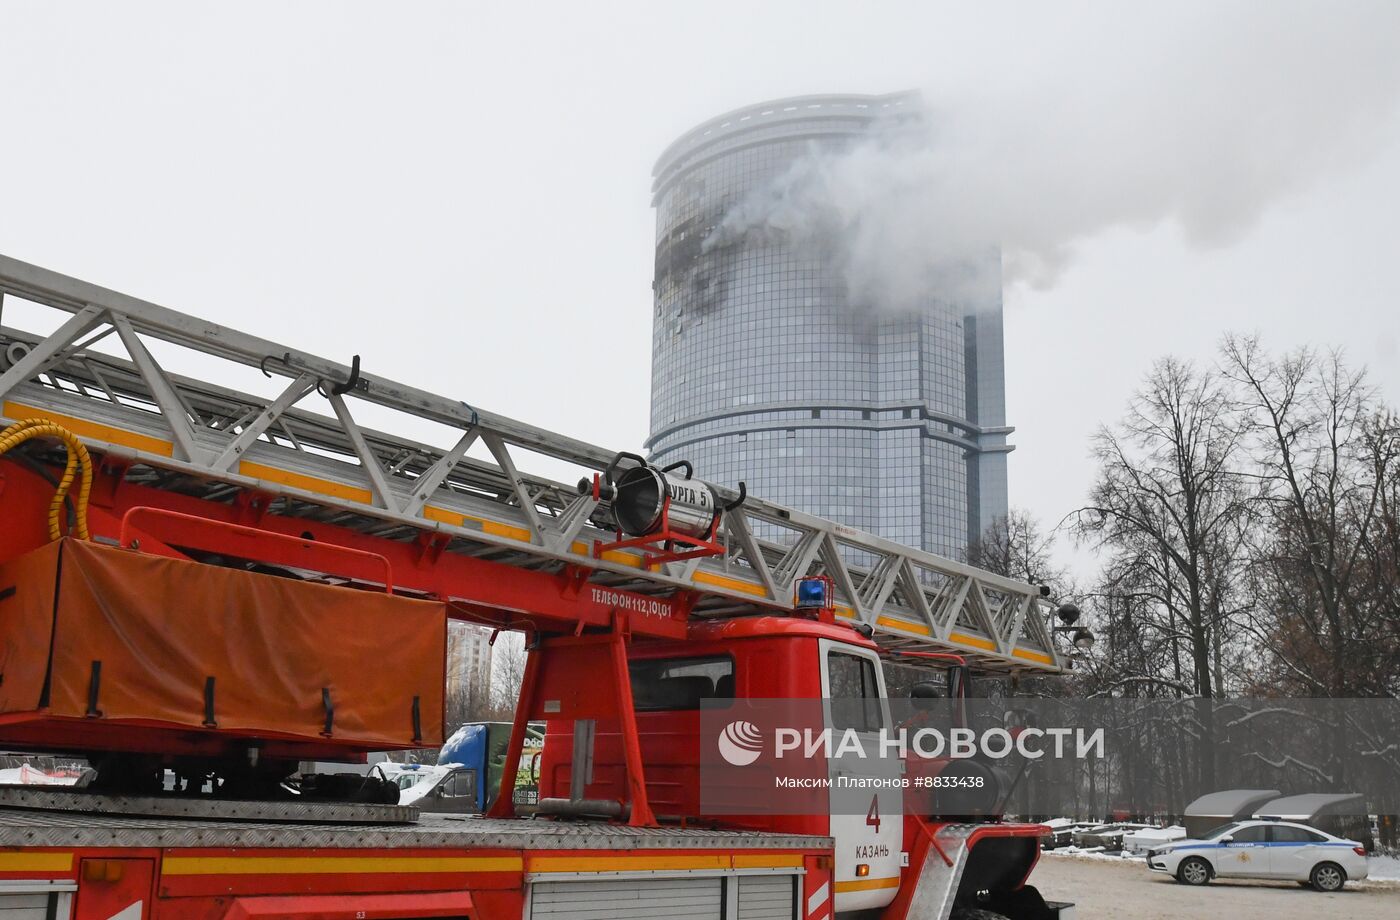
(162, 627)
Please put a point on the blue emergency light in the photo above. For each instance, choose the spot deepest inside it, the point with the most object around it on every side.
(813, 593)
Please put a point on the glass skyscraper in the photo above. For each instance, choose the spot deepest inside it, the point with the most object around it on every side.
(765, 370)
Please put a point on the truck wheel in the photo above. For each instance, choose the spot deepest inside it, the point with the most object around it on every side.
(1194, 871)
(976, 913)
(1328, 877)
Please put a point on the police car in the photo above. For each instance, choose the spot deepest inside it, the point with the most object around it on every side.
(1266, 850)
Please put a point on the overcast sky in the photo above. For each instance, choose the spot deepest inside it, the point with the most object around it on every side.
(461, 192)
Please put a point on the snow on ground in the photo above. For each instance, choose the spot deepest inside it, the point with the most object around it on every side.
(1093, 853)
(25, 775)
(1385, 868)
(1139, 842)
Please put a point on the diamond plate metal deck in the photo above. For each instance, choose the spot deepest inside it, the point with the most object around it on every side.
(24, 828)
(288, 812)
(938, 881)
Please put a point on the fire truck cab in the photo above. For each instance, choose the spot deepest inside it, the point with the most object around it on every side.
(772, 658)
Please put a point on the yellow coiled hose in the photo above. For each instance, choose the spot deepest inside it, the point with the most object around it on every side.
(79, 465)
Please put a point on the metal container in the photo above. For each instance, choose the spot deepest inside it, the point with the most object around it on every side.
(640, 505)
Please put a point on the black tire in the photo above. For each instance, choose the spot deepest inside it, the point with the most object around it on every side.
(1328, 876)
(1193, 871)
(976, 913)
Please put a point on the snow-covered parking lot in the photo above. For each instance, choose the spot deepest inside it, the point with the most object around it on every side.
(1111, 888)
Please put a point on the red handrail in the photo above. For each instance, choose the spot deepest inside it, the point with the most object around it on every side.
(194, 532)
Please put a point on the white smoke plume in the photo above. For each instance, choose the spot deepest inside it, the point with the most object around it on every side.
(1206, 123)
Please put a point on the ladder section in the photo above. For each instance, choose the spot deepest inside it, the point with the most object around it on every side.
(301, 442)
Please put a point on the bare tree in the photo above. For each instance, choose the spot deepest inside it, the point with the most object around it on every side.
(1246, 519)
(469, 674)
(507, 675)
(1168, 510)
(1328, 457)
(1016, 546)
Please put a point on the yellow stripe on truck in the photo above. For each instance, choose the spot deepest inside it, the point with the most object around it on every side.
(905, 626)
(612, 555)
(867, 884)
(331, 865)
(973, 641)
(36, 862)
(709, 861)
(366, 497)
(742, 861)
(625, 863)
(732, 584)
(443, 516)
(304, 482)
(92, 430)
(964, 639)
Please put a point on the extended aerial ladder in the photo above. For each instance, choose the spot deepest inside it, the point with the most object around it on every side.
(442, 517)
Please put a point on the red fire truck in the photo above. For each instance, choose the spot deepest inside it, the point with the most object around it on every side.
(205, 582)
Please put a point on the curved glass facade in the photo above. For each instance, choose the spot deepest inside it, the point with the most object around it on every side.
(764, 370)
